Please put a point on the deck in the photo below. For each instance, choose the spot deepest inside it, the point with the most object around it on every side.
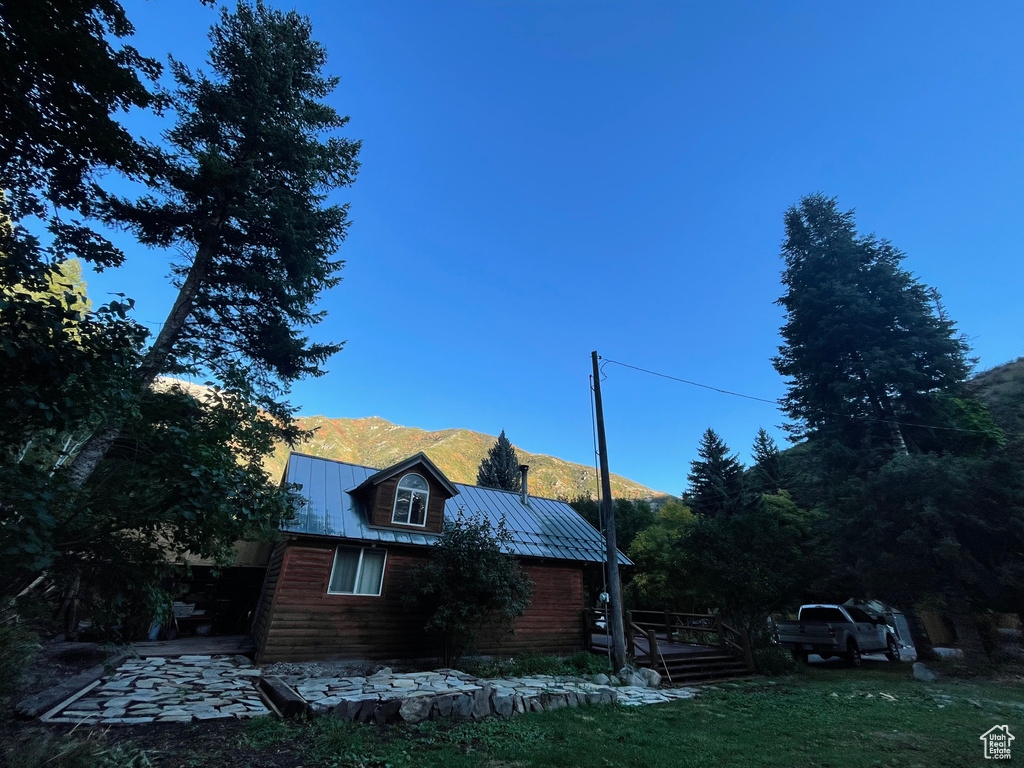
(600, 643)
(222, 645)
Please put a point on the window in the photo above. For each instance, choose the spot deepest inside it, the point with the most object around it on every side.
(357, 571)
(411, 501)
(822, 614)
(859, 616)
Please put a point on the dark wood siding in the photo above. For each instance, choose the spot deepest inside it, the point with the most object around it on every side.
(553, 622)
(261, 621)
(304, 622)
(384, 503)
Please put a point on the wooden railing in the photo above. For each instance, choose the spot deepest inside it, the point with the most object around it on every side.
(676, 627)
(739, 641)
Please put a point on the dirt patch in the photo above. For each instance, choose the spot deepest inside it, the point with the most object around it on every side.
(56, 662)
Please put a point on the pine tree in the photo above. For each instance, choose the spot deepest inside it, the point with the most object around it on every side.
(243, 189)
(61, 82)
(501, 467)
(866, 344)
(716, 478)
(766, 476)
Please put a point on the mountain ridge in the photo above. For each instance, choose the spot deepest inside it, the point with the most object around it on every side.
(373, 441)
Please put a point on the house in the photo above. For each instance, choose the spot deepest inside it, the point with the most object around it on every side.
(335, 583)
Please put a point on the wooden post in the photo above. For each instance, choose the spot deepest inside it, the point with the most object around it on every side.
(588, 636)
(653, 652)
(629, 633)
(611, 550)
(668, 627)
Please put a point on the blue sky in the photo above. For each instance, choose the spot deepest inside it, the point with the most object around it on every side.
(544, 179)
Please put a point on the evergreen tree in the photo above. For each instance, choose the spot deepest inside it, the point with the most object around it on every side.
(500, 469)
(61, 82)
(766, 476)
(716, 478)
(867, 346)
(243, 189)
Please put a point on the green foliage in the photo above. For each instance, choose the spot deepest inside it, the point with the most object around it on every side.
(658, 581)
(103, 477)
(340, 744)
(770, 473)
(716, 478)
(61, 81)
(471, 582)
(243, 187)
(263, 732)
(631, 517)
(18, 646)
(747, 564)
(865, 344)
(65, 371)
(528, 664)
(925, 524)
(500, 469)
(772, 659)
(47, 749)
(821, 716)
(755, 562)
(1002, 390)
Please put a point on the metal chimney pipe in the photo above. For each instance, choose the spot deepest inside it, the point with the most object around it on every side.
(524, 491)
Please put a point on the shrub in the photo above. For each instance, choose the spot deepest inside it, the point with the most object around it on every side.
(17, 647)
(471, 581)
(774, 660)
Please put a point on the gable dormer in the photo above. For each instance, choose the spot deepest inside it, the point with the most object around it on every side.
(409, 496)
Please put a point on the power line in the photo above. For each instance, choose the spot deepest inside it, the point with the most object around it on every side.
(777, 404)
(692, 383)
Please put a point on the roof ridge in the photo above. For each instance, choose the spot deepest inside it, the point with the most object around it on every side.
(453, 482)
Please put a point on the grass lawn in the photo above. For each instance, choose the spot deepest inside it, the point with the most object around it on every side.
(875, 716)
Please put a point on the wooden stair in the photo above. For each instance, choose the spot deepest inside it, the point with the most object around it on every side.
(685, 648)
(698, 668)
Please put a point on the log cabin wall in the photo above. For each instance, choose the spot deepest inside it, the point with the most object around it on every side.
(552, 624)
(261, 621)
(304, 622)
(383, 504)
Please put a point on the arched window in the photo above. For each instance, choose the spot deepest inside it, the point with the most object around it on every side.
(411, 501)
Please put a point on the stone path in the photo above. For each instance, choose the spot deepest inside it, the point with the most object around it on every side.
(188, 688)
(159, 689)
(385, 697)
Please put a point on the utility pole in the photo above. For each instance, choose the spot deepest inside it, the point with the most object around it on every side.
(611, 550)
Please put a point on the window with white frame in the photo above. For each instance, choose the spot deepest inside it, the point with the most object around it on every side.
(357, 571)
(411, 501)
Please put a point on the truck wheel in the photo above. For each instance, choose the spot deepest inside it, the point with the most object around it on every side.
(892, 652)
(853, 654)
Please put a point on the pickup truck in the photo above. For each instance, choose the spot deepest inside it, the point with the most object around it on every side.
(837, 630)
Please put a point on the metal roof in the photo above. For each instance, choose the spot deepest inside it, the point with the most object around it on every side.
(545, 528)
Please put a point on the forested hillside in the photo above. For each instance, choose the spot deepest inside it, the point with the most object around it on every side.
(375, 442)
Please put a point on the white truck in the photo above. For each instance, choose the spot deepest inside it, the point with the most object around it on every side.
(837, 630)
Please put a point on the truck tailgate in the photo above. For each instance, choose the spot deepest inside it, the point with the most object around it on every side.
(800, 632)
